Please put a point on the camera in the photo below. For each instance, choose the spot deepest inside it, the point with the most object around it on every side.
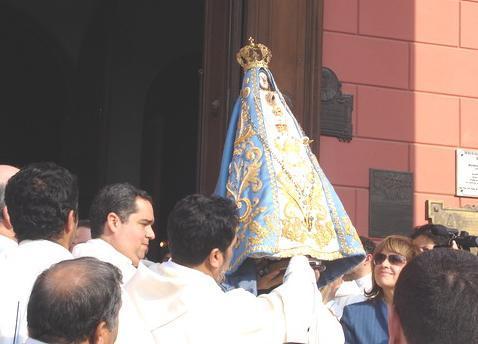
(463, 239)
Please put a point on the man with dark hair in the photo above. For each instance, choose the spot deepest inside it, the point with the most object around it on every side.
(435, 299)
(428, 236)
(181, 300)
(7, 235)
(121, 219)
(357, 282)
(42, 201)
(76, 301)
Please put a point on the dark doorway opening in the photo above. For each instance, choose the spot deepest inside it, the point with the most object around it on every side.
(108, 89)
(170, 124)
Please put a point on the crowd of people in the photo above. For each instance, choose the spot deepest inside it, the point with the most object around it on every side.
(62, 284)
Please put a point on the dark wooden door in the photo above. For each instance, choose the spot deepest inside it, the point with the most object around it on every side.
(219, 85)
(292, 29)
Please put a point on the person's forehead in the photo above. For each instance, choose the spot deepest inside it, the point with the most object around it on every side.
(387, 251)
(422, 239)
(144, 208)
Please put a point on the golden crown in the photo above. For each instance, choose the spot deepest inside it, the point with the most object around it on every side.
(254, 55)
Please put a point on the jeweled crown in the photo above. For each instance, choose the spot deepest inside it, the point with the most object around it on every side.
(254, 55)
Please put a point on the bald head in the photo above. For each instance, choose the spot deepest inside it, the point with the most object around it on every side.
(7, 171)
(74, 301)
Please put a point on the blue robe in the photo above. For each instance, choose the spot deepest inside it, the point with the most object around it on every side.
(286, 204)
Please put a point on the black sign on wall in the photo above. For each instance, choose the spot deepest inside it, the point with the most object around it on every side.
(391, 203)
(335, 107)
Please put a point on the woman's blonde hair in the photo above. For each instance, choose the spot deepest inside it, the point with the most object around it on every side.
(393, 243)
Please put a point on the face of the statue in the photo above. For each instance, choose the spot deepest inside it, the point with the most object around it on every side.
(263, 81)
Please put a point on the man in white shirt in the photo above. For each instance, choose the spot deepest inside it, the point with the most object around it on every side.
(76, 301)
(42, 201)
(357, 282)
(180, 301)
(7, 235)
(121, 219)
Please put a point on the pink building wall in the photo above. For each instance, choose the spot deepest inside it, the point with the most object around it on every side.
(412, 66)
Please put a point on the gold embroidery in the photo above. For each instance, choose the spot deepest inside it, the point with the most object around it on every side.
(245, 92)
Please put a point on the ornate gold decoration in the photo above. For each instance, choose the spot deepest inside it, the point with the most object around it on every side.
(249, 177)
(306, 141)
(254, 55)
(245, 92)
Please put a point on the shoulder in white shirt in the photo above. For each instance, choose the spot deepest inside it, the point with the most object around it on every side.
(6, 243)
(183, 305)
(19, 268)
(104, 251)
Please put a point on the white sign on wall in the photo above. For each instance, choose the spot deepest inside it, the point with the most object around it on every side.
(467, 172)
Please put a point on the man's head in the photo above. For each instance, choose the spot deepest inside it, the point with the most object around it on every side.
(365, 267)
(75, 301)
(435, 299)
(202, 232)
(83, 233)
(123, 216)
(6, 229)
(42, 201)
(425, 238)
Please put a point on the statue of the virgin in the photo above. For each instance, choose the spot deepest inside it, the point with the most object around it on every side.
(286, 204)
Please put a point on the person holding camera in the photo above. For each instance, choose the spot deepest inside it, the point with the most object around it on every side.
(426, 237)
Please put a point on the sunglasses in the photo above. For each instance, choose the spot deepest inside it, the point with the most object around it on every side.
(394, 259)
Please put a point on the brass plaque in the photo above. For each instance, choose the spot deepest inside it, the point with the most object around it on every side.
(391, 203)
(463, 219)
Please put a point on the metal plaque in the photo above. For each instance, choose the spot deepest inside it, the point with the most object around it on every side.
(335, 107)
(391, 203)
(463, 219)
(467, 172)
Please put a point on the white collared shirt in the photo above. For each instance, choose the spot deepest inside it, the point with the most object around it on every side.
(350, 292)
(105, 252)
(183, 305)
(19, 268)
(131, 329)
(6, 243)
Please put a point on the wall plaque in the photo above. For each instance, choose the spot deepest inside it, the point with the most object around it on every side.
(463, 219)
(335, 107)
(391, 203)
(467, 172)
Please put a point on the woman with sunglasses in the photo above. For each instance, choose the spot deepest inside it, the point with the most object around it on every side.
(366, 322)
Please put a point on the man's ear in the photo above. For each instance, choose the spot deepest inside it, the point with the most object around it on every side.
(103, 335)
(216, 258)
(71, 222)
(6, 218)
(113, 222)
(368, 258)
(395, 330)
